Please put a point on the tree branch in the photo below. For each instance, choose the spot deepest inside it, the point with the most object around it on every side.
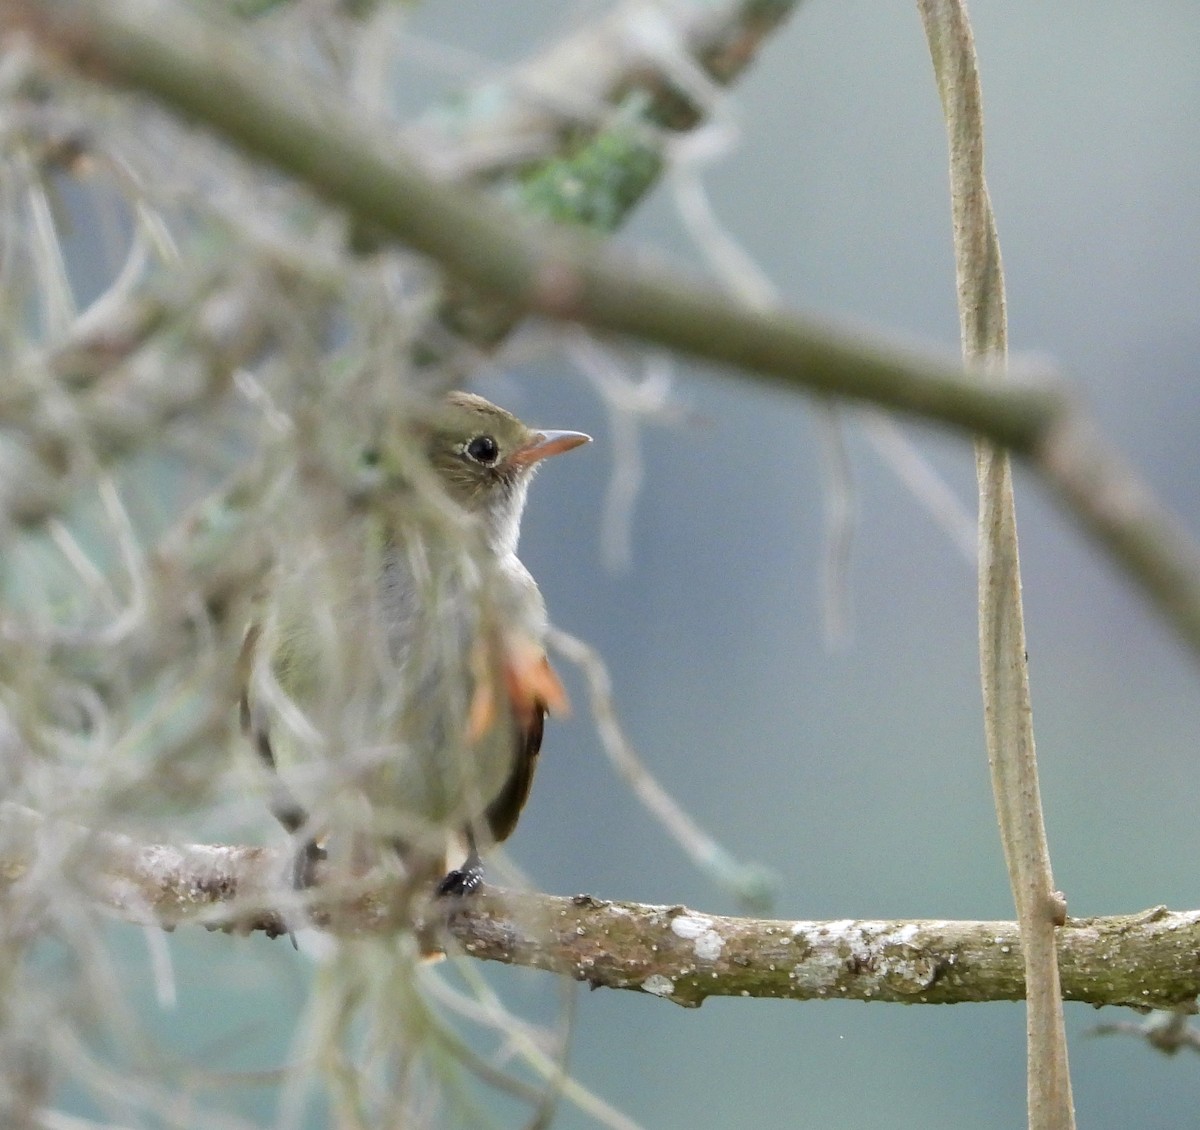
(687, 956)
(1143, 960)
(202, 70)
(208, 74)
(670, 55)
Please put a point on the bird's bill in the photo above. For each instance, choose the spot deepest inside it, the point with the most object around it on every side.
(545, 444)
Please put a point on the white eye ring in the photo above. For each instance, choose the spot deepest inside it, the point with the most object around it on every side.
(482, 449)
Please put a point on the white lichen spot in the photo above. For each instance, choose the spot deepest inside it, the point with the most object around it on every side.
(707, 943)
(823, 967)
(658, 985)
(690, 925)
(910, 974)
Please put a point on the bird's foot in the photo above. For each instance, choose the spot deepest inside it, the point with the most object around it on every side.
(304, 873)
(304, 865)
(464, 880)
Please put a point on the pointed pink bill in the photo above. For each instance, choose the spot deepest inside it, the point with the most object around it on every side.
(545, 444)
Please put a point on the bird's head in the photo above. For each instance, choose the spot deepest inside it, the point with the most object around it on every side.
(485, 458)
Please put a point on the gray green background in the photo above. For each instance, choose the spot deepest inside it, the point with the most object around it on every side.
(858, 773)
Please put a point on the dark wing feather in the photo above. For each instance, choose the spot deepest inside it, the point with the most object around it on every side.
(502, 814)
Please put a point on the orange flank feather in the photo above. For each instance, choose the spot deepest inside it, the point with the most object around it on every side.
(534, 685)
(533, 689)
(483, 710)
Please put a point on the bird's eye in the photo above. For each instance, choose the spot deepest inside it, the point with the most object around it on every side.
(483, 449)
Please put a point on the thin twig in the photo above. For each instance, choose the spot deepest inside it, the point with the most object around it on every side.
(1007, 709)
(751, 884)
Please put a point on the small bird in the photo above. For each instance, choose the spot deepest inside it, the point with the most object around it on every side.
(395, 677)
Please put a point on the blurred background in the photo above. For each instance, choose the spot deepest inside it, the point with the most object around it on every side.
(854, 768)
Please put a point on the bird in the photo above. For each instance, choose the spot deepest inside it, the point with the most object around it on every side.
(394, 673)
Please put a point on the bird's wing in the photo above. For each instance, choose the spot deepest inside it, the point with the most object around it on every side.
(533, 690)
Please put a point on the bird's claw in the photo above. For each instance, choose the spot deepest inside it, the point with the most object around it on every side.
(462, 881)
(304, 865)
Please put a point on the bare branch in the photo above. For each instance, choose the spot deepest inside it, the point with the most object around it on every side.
(687, 956)
(188, 63)
(185, 61)
(670, 951)
(668, 54)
